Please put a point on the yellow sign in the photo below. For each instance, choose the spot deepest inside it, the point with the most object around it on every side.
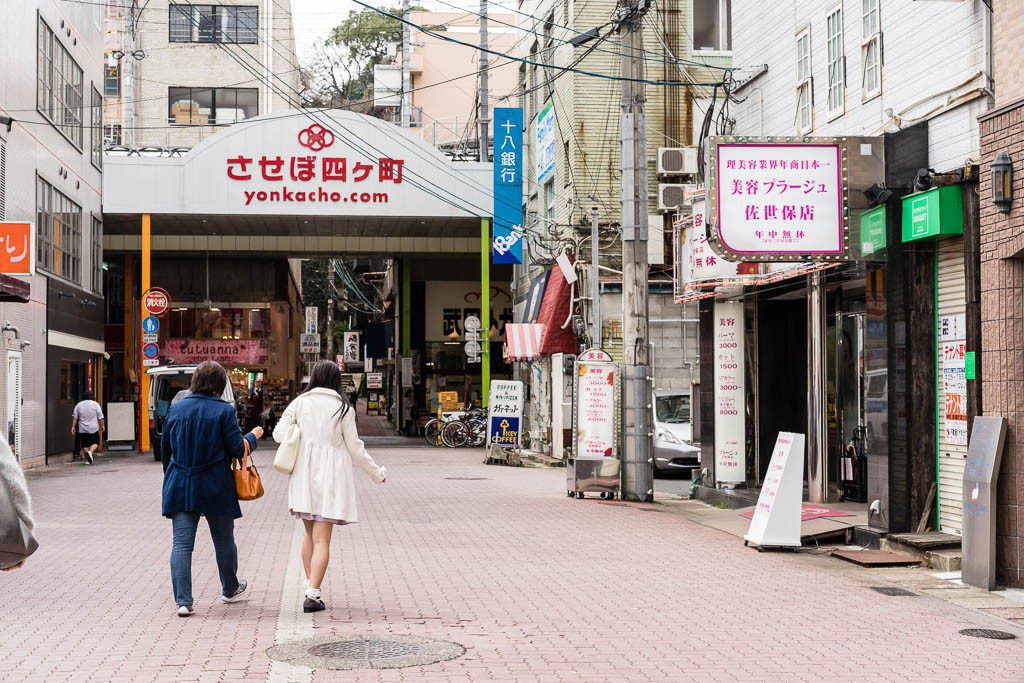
(449, 400)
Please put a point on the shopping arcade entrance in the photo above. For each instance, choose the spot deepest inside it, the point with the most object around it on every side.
(297, 185)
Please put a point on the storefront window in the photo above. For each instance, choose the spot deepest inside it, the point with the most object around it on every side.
(72, 381)
(259, 323)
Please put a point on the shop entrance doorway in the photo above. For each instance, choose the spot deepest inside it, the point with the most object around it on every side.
(781, 374)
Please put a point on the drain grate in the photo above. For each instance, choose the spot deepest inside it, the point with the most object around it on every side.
(365, 649)
(468, 478)
(365, 652)
(892, 591)
(989, 633)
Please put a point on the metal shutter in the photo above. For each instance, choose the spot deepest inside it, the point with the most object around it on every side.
(3, 180)
(950, 301)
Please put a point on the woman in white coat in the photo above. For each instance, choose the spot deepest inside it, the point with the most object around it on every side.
(321, 491)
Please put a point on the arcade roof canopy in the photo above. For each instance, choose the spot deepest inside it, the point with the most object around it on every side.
(299, 174)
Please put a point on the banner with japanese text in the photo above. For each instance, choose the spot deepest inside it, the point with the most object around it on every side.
(508, 185)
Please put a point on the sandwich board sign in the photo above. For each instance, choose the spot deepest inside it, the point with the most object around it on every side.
(505, 413)
(776, 521)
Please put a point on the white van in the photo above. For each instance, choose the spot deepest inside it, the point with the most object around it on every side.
(165, 382)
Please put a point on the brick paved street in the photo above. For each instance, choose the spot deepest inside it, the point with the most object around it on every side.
(535, 586)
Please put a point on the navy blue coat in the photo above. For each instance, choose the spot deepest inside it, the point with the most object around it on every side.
(201, 437)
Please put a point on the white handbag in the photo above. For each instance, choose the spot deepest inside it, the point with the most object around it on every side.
(288, 451)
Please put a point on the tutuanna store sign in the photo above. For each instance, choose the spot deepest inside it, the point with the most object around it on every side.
(224, 351)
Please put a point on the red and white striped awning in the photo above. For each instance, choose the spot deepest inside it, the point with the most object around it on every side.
(522, 341)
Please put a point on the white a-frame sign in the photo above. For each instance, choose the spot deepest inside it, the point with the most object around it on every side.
(776, 522)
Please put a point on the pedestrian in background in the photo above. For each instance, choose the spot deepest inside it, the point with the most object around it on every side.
(87, 423)
(321, 490)
(12, 477)
(201, 438)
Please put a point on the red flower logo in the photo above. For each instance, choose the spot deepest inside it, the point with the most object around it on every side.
(316, 137)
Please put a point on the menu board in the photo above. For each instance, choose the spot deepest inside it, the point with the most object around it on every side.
(597, 386)
(730, 394)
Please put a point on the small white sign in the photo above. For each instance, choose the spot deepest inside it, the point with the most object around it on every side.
(595, 404)
(309, 343)
(148, 338)
(505, 413)
(312, 320)
(472, 348)
(375, 380)
(406, 372)
(776, 521)
(150, 362)
(952, 327)
(565, 265)
(351, 345)
(471, 323)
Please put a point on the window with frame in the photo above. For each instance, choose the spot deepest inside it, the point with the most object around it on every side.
(58, 232)
(59, 96)
(112, 79)
(96, 130)
(712, 25)
(549, 54)
(190, 23)
(549, 203)
(534, 82)
(112, 134)
(804, 90)
(211, 106)
(870, 50)
(836, 62)
(97, 254)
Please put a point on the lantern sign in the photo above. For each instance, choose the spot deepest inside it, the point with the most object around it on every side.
(780, 199)
(156, 301)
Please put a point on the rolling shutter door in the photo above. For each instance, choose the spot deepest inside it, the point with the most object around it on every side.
(951, 308)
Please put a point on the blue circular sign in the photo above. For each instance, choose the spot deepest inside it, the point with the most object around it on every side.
(151, 350)
(150, 324)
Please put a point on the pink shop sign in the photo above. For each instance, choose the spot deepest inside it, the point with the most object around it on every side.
(773, 201)
(224, 351)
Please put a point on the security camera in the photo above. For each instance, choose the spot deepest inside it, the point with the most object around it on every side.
(875, 508)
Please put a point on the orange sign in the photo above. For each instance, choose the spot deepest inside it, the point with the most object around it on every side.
(17, 249)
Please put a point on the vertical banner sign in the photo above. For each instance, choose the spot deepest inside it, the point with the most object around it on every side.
(507, 244)
(730, 394)
(596, 405)
(504, 413)
(312, 320)
(351, 344)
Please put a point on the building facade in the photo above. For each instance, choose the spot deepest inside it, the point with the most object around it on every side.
(51, 165)
(1002, 280)
(572, 172)
(900, 321)
(187, 70)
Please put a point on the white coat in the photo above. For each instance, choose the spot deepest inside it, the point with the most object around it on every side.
(322, 482)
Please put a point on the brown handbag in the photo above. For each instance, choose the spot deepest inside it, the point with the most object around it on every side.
(247, 478)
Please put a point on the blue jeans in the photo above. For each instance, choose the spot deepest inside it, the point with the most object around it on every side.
(222, 530)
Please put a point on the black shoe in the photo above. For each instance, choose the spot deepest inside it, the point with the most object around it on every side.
(313, 605)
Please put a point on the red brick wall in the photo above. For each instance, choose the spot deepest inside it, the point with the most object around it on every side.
(1002, 327)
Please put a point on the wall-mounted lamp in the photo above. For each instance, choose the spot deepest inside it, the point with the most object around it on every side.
(7, 121)
(1002, 182)
(877, 195)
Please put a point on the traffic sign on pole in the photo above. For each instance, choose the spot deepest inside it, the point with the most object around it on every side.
(156, 301)
(151, 324)
(150, 350)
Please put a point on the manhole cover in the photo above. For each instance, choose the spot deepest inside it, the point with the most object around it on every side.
(466, 478)
(365, 652)
(365, 649)
(989, 633)
(892, 591)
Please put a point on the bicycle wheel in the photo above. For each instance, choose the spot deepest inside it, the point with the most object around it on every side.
(478, 432)
(455, 434)
(432, 432)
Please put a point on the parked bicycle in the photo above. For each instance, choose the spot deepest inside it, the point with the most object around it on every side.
(455, 430)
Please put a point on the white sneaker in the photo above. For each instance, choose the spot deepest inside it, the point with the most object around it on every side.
(242, 586)
(185, 611)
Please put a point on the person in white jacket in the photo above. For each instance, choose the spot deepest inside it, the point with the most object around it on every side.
(321, 490)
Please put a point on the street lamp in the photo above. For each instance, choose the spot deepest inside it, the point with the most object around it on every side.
(1002, 182)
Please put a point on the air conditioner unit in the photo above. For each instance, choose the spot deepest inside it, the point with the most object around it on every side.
(677, 161)
(673, 196)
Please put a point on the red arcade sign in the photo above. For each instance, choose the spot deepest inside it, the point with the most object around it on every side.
(321, 179)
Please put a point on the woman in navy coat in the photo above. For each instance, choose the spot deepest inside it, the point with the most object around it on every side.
(201, 438)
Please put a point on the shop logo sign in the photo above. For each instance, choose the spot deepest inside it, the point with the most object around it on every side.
(316, 137)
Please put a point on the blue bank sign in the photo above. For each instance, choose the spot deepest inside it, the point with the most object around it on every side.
(507, 240)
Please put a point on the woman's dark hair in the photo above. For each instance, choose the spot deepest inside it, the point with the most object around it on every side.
(209, 378)
(326, 375)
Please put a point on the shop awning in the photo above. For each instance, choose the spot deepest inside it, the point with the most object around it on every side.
(13, 289)
(522, 341)
(554, 311)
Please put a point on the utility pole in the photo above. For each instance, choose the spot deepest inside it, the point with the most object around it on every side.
(330, 309)
(637, 472)
(406, 107)
(595, 282)
(482, 110)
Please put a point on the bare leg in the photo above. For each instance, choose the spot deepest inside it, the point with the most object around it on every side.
(321, 552)
(307, 547)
